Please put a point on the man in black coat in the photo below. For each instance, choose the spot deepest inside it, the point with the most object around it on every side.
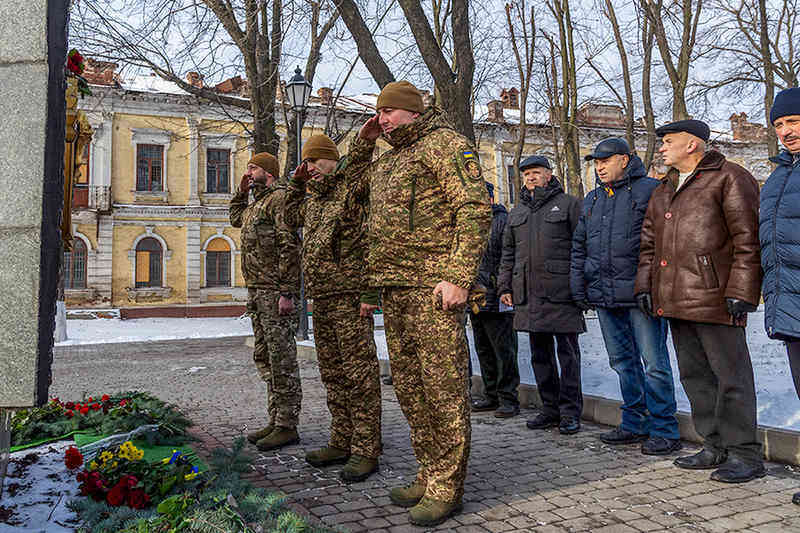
(493, 329)
(534, 277)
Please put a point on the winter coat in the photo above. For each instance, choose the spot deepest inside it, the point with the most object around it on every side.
(429, 213)
(700, 244)
(490, 263)
(605, 248)
(779, 233)
(270, 249)
(334, 232)
(536, 261)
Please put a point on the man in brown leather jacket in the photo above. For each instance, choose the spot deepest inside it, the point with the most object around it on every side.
(699, 266)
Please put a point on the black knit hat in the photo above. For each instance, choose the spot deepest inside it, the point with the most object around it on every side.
(786, 103)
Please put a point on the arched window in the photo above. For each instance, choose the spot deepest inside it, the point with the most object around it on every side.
(218, 264)
(75, 265)
(148, 263)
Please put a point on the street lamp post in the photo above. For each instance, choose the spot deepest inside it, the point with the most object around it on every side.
(298, 91)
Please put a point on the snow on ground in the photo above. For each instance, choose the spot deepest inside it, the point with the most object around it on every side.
(102, 331)
(778, 404)
(37, 494)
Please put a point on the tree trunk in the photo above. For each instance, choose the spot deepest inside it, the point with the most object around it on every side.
(367, 50)
(769, 76)
(647, 99)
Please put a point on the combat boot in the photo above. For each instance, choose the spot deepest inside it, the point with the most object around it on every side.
(429, 512)
(280, 436)
(358, 468)
(327, 456)
(407, 496)
(255, 436)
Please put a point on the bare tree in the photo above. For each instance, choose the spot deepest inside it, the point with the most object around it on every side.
(524, 48)
(647, 38)
(756, 51)
(216, 37)
(685, 15)
(565, 109)
(454, 84)
(627, 101)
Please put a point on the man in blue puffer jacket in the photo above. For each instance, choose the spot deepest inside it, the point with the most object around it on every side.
(779, 233)
(605, 256)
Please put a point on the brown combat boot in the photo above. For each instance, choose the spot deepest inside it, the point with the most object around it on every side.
(429, 512)
(407, 496)
(358, 468)
(255, 436)
(279, 437)
(327, 456)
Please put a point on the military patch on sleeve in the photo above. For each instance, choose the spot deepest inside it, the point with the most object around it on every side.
(469, 165)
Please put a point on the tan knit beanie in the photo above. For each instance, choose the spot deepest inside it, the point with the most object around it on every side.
(320, 147)
(266, 161)
(401, 95)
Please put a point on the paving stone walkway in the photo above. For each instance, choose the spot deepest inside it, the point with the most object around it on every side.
(518, 480)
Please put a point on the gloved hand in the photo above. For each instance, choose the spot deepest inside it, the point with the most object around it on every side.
(244, 185)
(301, 173)
(583, 305)
(739, 308)
(645, 303)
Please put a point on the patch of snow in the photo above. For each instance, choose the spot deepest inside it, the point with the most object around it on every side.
(196, 369)
(44, 488)
(114, 330)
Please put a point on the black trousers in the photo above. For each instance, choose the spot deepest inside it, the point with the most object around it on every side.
(717, 375)
(561, 396)
(793, 351)
(496, 346)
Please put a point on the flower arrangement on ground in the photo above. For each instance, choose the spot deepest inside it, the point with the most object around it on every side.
(103, 415)
(120, 476)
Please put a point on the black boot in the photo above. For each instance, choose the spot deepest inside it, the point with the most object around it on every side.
(702, 460)
(543, 421)
(735, 470)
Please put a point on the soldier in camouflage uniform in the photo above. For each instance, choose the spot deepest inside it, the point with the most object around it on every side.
(270, 265)
(334, 246)
(429, 222)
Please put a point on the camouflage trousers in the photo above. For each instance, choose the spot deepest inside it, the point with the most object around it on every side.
(348, 365)
(275, 356)
(428, 353)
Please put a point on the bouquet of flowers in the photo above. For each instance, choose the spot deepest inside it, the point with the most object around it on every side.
(75, 67)
(121, 476)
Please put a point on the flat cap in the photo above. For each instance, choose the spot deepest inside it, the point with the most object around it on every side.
(534, 161)
(609, 147)
(698, 128)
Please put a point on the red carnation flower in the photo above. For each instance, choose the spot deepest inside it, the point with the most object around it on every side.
(105, 397)
(123, 402)
(90, 400)
(84, 410)
(69, 405)
(116, 496)
(69, 414)
(95, 406)
(73, 458)
(138, 499)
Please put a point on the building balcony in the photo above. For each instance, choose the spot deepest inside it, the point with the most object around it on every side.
(94, 197)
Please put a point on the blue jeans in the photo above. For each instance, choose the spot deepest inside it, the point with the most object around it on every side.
(648, 392)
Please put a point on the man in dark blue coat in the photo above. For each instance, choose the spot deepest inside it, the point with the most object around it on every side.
(493, 329)
(779, 233)
(605, 255)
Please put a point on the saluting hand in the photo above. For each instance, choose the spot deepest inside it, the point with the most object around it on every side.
(301, 173)
(244, 185)
(371, 129)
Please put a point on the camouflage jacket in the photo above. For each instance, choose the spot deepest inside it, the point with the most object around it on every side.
(270, 249)
(429, 212)
(334, 232)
